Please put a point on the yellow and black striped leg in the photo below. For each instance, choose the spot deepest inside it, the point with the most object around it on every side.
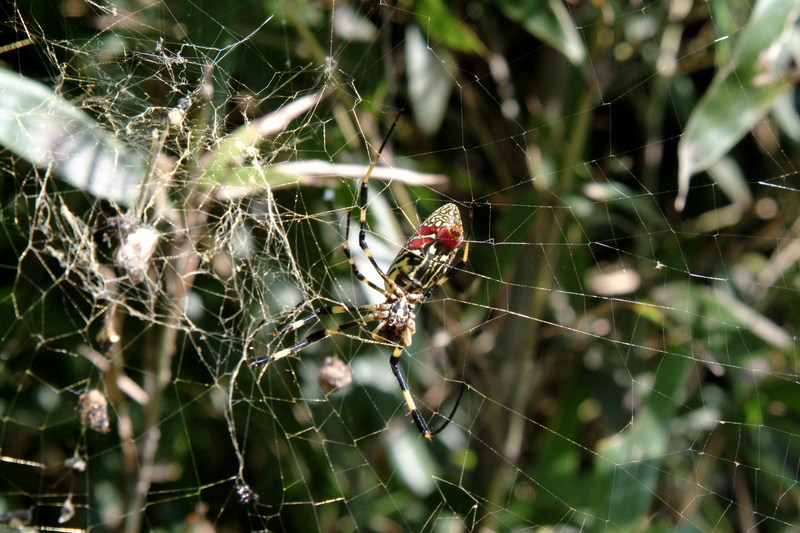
(362, 221)
(353, 267)
(362, 240)
(415, 414)
(362, 228)
(311, 339)
(412, 407)
(316, 313)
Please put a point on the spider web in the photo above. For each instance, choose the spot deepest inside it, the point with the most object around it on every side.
(177, 180)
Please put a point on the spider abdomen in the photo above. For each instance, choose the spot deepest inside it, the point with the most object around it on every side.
(428, 253)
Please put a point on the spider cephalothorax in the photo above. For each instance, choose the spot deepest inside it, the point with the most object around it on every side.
(424, 263)
(397, 318)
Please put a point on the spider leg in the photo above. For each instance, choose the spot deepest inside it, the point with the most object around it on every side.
(412, 407)
(310, 339)
(362, 232)
(362, 229)
(353, 267)
(318, 312)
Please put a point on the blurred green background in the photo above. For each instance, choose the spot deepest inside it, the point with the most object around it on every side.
(625, 327)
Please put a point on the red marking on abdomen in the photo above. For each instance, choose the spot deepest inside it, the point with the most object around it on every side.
(449, 237)
(421, 238)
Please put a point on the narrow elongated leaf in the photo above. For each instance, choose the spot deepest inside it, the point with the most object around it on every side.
(429, 82)
(628, 466)
(233, 149)
(786, 116)
(444, 28)
(549, 21)
(742, 93)
(48, 131)
(413, 462)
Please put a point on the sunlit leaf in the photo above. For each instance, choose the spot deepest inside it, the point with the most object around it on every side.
(786, 116)
(444, 28)
(412, 461)
(350, 25)
(730, 178)
(549, 21)
(734, 311)
(241, 145)
(429, 82)
(622, 197)
(742, 93)
(628, 466)
(48, 131)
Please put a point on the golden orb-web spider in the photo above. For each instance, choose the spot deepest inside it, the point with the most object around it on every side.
(424, 264)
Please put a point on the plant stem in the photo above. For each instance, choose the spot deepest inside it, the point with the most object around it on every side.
(175, 283)
(541, 269)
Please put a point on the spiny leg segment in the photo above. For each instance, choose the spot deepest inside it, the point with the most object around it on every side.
(317, 313)
(412, 407)
(310, 339)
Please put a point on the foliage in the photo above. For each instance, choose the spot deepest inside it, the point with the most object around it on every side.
(626, 326)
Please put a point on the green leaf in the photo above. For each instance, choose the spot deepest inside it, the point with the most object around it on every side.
(629, 464)
(413, 462)
(240, 146)
(48, 131)
(730, 178)
(728, 17)
(445, 29)
(742, 93)
(786, 116)
(429, 82)
(620, 196)
(549, 21)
